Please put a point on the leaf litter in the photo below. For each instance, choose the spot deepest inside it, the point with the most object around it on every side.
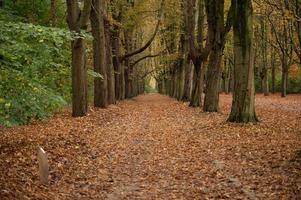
(154, 147)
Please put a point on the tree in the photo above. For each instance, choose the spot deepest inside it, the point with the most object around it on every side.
(198, 54)
(99, 54)
(243, 103)
(218, 32)
(109, 64)
(77, 20)
(263, 50)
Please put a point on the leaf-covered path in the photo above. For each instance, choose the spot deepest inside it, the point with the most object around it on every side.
(153, 147)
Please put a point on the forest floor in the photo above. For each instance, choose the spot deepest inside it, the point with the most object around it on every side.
(153, 147)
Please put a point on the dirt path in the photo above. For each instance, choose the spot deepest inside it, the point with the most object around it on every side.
(153, 147)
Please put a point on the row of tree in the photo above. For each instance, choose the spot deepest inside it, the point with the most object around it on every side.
(111, 43)
(186, 83)
(117, 80)
(192, 44)
(208, 61)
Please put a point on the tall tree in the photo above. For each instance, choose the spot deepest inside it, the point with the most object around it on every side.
(218, 32)
(99, 54)
(198, 54)
(243, 104)
(109, 64)
(77, 21)
(116, 46)
(264, 59)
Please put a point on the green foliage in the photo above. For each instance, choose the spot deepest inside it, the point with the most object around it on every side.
(37, 12)
(150, 89)
(94, 74)
(23, 99)
(294, 86)
(34, 71)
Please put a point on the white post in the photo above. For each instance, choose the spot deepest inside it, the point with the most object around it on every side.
(43, 166)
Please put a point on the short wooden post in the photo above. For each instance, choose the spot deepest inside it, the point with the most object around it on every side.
(43, 166)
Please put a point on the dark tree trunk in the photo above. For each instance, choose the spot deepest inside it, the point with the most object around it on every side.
(213, 81)
(217, 33)
(122, 82)
(284, 82)
(243, 104)
(99, 56)
(227, 76)
(181, 81)
(188, 81)
(77, 20)
(198, 54)
(116, 60)
(79, 79)
(264, 68)
(182, 67)
(127, 70)
(110, 67)
(197, 90)
(215, 13)
(273, 71)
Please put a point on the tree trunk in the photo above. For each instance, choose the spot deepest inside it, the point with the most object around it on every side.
(217, 35)
(197, 88)
(122, 82)
(99, 54)
(231, 71)
(227, 76)
(79, 79)
(77, 20)
(174, 81)
(284, 81)
(110, 67)
(181, 80)
(213, 81)
(116, 60)
(273, 71)
(265, 82)
(127, 73)
(188, 80)
(264, 70)
(243, 104)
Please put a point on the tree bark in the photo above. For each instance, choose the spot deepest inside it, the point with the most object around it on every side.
(243, 104)
(110, 67)
(127, 70)
(264, 68)
(122, 82)
(284, 82)
(79, 79)
(77, 20)
(196, 98)
(99, 54)
(227, 76)
(273, 70)
(116, 60)
(213, 81)
(217, 32)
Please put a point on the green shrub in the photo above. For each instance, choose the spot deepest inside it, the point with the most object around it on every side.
(34, 71)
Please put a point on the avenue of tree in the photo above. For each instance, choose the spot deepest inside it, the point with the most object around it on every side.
(194, 49)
